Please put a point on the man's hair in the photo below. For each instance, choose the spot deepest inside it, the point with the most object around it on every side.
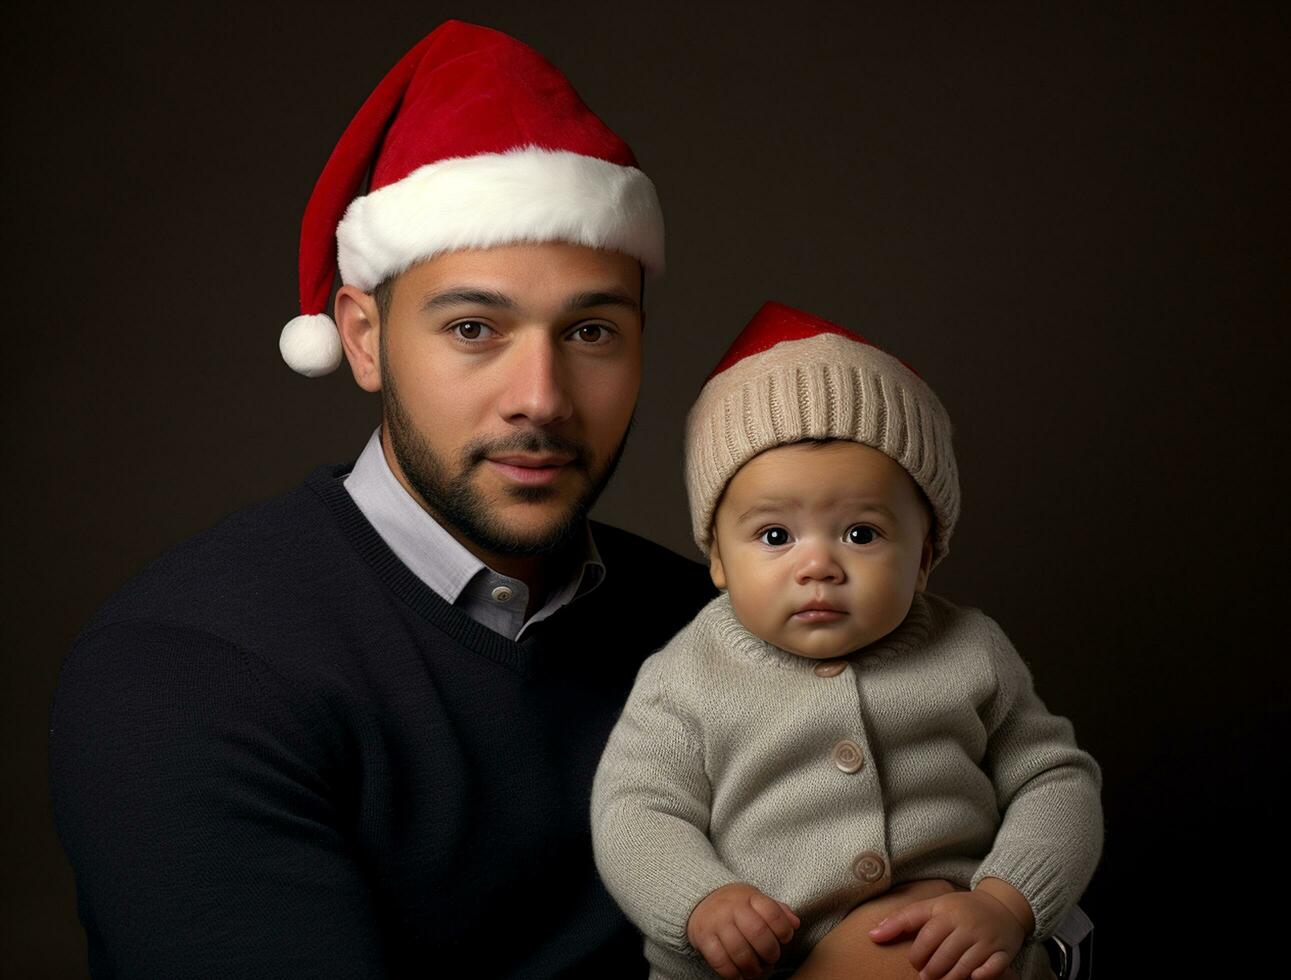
(383, 293)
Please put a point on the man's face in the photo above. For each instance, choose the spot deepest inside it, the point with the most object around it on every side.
(821, 547)
(509, 377)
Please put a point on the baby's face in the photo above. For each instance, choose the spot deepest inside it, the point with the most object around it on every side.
(822, 547)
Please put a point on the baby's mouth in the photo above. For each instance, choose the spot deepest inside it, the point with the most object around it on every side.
(818, 612)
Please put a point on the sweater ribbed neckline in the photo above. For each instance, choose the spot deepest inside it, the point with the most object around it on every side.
(913, 632)
(517, 655)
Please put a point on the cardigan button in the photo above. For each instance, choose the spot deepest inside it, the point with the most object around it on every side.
(829, 668)
(848, 756)
(869, 866)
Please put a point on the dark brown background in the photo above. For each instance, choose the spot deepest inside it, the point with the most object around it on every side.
(1073, 223)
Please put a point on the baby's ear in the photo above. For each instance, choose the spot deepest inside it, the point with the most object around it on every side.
(925, 565)
(715, 570)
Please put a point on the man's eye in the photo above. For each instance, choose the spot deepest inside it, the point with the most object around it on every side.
(774, 536)
(471, 330)
(591, 333)
(861, 534)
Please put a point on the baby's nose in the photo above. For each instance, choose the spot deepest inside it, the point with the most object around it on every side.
(817, 563)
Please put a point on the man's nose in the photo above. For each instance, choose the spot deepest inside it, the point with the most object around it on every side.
(816, 562)
(535, 389)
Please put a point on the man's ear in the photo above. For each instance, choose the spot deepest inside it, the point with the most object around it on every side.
(715, 570)
(925, 564)
(359, 325)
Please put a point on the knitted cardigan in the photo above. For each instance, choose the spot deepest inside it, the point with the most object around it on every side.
(727, 765)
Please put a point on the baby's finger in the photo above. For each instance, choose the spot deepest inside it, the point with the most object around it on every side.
(947, 955)
(909, 918)
(996, 966)
(927, 942)
(714, 953)
(778, 916)
(758, 933)
(972, 958)
(740, 952)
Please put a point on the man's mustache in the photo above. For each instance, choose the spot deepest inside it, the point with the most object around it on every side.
(534, 443)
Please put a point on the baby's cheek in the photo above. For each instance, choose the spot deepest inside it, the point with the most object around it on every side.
(755, 611)
(894, 602)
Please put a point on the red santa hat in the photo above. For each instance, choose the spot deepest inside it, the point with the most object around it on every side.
(791, 376)
(472, 140)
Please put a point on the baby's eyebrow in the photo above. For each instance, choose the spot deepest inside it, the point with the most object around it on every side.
(766, 507)
(778, 505)
(878, 508)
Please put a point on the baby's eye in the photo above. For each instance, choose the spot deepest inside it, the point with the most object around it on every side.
(774, 536)
(471, 330)
(861, 534)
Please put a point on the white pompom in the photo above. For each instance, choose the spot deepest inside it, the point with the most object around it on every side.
(310, 345)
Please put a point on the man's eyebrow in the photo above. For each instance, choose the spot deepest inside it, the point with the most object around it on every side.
(470, 296)
(601, 297)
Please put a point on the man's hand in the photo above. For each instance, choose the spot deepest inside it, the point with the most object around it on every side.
(739, 931)
(962, 935)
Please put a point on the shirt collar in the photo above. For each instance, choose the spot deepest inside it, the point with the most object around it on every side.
(430, 552)
(439, 559)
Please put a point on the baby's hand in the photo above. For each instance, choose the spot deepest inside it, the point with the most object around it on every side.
(740, 931)
(962, 935)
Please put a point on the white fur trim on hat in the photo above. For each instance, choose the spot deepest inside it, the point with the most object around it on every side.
(523, 195)
(310, 345)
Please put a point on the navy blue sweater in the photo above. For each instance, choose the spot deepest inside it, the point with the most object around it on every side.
(278, 753)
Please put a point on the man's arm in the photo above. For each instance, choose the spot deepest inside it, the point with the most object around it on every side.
(191, 794)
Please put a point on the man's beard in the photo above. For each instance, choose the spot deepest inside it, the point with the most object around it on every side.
(454, 501)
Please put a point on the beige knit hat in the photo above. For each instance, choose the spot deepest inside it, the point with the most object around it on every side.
(791, 376)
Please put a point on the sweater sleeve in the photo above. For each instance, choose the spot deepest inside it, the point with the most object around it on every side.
(1047, 789)
(190, 796)
(650, 814)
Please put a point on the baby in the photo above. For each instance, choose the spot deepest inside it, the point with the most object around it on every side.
(825, 730)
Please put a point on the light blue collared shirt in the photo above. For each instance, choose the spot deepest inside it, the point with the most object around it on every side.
(439, 560)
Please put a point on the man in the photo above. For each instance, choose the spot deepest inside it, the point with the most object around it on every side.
(351, 732)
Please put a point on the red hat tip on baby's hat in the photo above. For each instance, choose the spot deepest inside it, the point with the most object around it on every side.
(774, 324)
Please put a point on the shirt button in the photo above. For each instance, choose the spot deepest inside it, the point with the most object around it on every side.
(848, 756)
(502, 594)
(829, 668)
(869, 866)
